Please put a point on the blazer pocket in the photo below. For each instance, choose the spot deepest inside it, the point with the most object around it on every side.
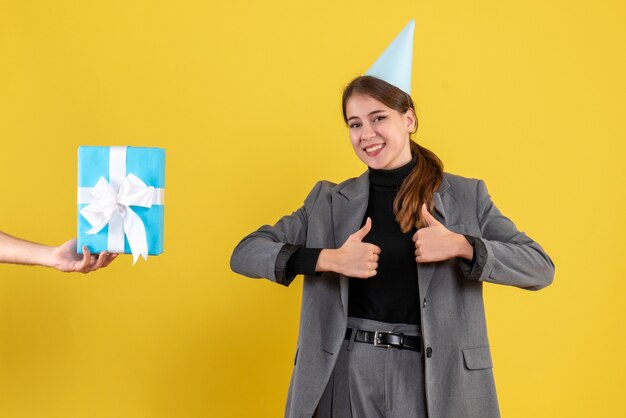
(477, 358)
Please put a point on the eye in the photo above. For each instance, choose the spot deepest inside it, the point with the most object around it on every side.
(355, 125)
(377, 118)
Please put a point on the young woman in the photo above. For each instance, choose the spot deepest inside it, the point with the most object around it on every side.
(392, 321)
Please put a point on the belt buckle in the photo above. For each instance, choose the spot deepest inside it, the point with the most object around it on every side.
(377, 342)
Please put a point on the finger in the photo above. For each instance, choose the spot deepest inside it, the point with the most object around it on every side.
(110, 258)
(361, 233)
(374, 258)
(85, 266)
(102, 258)
(375, 249)
(88, 261)
(79, 266)
(82, 266)
(93, 259)
(367, 274)
(430, 220)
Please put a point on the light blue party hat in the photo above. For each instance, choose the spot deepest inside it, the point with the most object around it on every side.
(396, 62)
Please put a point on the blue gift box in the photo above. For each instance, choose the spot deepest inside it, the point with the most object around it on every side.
(113, 164)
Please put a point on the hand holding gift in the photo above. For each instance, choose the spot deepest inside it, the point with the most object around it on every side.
(64, 257)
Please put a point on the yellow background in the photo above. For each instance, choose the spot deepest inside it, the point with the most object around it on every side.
(528, 96)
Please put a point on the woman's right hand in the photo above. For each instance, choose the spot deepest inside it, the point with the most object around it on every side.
(354, 259)
(65, 258)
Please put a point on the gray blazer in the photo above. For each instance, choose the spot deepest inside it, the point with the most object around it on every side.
(458, 374)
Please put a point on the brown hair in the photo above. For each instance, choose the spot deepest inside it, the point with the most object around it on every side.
(427, 174)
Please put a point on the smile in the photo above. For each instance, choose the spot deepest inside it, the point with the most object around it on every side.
(373, 150)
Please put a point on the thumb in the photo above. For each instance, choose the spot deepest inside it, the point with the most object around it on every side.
(430, 219)
(361, 233)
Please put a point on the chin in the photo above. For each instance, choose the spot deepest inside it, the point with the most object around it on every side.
(377, 165)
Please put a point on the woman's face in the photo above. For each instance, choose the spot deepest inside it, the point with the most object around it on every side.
(379, 134)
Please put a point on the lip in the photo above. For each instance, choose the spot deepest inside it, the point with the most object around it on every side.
(376, 151)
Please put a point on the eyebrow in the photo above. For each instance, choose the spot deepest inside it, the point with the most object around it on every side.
(371, 113)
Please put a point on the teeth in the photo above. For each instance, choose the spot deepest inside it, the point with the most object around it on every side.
(374, 148)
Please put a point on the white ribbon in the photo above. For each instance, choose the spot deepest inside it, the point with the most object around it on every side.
(110, 204)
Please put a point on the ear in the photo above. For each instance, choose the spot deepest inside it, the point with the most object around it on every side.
(411, 119)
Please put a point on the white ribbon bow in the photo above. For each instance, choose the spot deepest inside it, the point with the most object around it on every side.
(109, 207)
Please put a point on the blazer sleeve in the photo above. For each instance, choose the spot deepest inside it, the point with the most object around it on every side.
(507, 256)
(264, 253)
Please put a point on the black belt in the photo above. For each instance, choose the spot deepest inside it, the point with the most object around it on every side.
(387, 339)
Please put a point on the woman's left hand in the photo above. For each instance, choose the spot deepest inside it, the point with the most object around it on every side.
(437, 243)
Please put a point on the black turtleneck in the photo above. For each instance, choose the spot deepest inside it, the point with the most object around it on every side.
(392, 295)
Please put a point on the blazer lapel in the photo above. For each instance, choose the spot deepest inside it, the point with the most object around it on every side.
(425, 271)
(349, 205)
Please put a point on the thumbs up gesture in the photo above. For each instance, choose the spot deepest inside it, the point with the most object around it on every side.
(437, 243)
(355, 258)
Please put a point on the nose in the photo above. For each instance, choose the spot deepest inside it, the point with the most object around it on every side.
(367, 132)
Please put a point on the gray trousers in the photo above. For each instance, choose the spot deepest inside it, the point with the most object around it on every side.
(370, 381)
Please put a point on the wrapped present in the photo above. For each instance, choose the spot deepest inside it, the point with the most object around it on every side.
(120, 200)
